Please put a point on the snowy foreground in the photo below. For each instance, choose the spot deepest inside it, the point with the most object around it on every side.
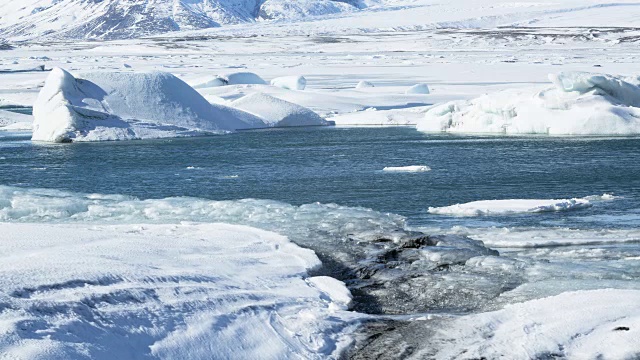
(598, 324)
(108, 276)
(111, 275)
(165, 291)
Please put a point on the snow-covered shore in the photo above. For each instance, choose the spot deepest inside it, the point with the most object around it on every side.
(164, 291)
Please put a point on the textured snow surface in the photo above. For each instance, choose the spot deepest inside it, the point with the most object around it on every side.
(598, 324)
(164, 291)
(123, 106)
(579, 103)
(277, 112)
(515, 206)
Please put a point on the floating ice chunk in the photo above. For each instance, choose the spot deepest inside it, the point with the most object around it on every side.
(290, 82)
(512, 206)
(603, 197)
(364, 84)
(412, 168)
(444, 255)
(577, 104)
(121, 106)
(418, 89)
(276, 112)
(596, 324)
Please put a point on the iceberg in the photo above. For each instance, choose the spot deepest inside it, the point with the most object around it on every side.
(578, 103)
(277, 112)
(123, 106)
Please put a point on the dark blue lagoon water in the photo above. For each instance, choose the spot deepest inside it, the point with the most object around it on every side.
(344, 166)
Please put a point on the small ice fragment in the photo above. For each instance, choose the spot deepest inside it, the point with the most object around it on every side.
(290, 82)
(413, 168)
(364, 84)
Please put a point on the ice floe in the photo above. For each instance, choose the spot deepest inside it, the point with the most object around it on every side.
(578, 103)
(411, 168)
(517, 206)
(277, 112)
(122, 106)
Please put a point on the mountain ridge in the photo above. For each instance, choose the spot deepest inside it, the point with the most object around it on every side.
(123, 19)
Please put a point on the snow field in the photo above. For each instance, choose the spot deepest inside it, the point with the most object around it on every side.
(164, 291)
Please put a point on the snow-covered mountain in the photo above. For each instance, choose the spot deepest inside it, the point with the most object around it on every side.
(118, 19)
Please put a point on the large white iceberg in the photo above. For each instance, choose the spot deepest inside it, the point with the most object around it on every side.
(277, 112)
(578, 103)
(120, 106)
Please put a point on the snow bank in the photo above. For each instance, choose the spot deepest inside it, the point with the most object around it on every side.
(364, 84)
(290, 82)
(412, 168)
(512, 206)
(235, 78)
(597, 324)
(578, 104)
(164, 291)
(122, 106)
(418, 89)
(276, 112)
